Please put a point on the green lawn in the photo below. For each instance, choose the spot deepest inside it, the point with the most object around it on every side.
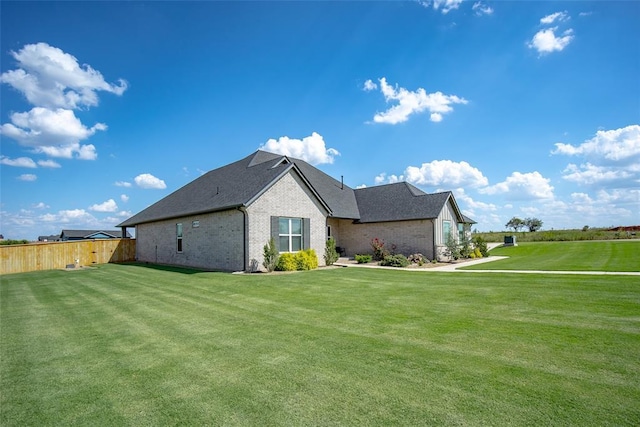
(133, 345)
(611, 255)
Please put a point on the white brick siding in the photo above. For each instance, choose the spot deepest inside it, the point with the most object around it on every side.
(216, 244)
(409, 236)
(289, 197)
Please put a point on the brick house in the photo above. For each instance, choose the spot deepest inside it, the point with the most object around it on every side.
(223, 219)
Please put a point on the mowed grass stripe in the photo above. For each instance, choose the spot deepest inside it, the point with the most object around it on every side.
(138, 345)
(609, 255)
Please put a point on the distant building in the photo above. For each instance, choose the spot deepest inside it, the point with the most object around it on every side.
(67, 235)
(51, 238)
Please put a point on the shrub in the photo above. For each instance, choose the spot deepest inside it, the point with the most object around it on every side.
(379, 252)
(270, 255)
(417, 259)
(472, 255)
(330, 253)
(363, 259)
(306, 260)
(287, 262)
(302, 260)
(452, 250)
(480, 245)
(397, 260)
(477, 253)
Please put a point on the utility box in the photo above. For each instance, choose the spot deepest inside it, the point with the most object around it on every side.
(510, 241)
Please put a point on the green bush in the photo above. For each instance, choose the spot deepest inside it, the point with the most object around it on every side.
(397, 260)
(302, 260)
(287, 262)
(270, 255)
(363, 259)
(330, 253)
(306, 260)
(477, 253)
(480, 245)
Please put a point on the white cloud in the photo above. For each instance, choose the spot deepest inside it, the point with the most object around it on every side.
(54, 132)
(149, 181)
(409, 103)
(470, 203)
(122, 184)
(558, 16)
(383, 178)
(49, 164)
(369, 85)
(446, 173)
(546, 41)
(124, 198)
(616, 145)
(20, 162)
(481, 9)
(522, 186)
(592, 174)
(49, 77)
(445, 5)
(41, 205)
(311, 149)
(27, 177)
(77, 217)
(108, 206)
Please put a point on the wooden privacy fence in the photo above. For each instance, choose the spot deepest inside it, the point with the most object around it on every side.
(54, 255)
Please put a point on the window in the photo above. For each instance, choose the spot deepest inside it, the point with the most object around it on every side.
(290, 234)
(446, 230)
(460, 232)
(179, 237)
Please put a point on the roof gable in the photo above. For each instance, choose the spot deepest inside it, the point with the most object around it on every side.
(399, 202)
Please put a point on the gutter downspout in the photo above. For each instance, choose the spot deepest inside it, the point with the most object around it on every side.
(245, 243)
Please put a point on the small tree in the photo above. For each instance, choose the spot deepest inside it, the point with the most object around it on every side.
(515, 223)
(533, 224)
(379, 252)
(330, 253)
(271, 255)
(452, 250)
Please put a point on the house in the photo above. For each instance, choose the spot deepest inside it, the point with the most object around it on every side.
(91, 235)
(223, 219)
(50, 238)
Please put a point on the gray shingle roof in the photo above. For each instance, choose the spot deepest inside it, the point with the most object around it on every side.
(240, 183)
(85, 234)
(398, 202)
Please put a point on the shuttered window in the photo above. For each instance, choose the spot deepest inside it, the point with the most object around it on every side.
(291, 234)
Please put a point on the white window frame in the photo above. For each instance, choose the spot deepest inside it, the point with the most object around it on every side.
(289, 235)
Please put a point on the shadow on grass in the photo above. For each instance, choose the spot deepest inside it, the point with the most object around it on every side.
(161, 267)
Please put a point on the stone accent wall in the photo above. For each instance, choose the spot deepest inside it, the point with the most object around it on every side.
(409, 236)
(289, 197)
(216, 243)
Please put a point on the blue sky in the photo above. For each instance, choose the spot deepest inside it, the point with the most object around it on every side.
(527, 109)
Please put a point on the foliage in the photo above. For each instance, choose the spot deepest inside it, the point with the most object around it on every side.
(533, 224)
(306, 260)
(379, 251)
(271, 255)
(363, 259)
(397, 260)
(287, 262)
(452, 250)
(480, 246)
(465, 246)
(417, 259)
(515, 223)
(330, 253)
(301, 260)
(14, 242)
(477, 253)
